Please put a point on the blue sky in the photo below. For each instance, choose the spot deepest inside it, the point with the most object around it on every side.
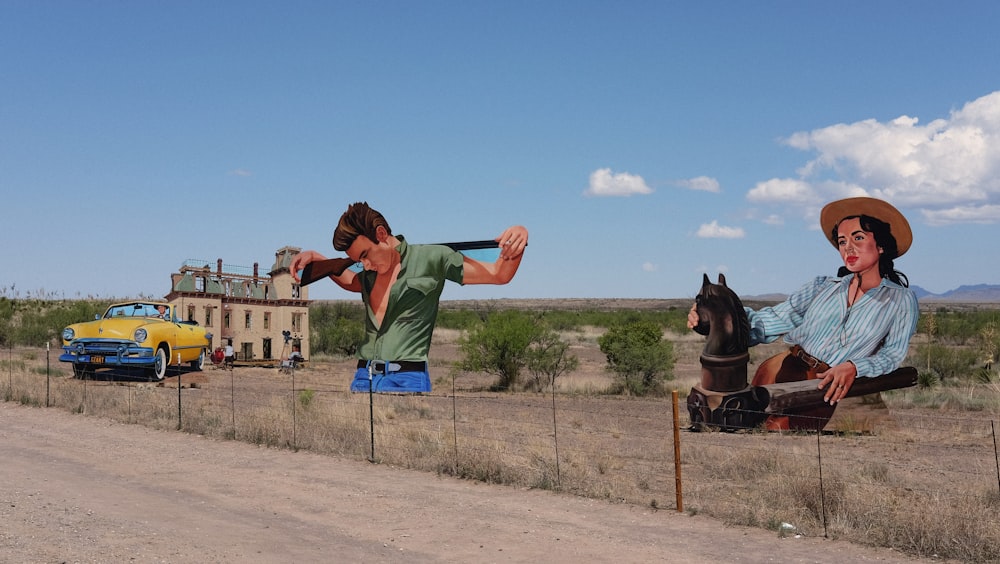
(641, 143)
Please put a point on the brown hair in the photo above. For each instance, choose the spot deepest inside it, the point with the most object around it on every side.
(359, 219)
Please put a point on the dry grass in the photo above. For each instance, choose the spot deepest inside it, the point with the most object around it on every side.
(925, 483)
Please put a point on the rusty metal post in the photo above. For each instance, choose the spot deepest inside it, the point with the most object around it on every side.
(996, 455)
(179, 421)
(677, 454)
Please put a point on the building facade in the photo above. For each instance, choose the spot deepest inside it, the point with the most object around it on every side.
(263, 316)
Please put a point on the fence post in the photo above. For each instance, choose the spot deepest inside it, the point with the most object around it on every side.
(555, 433)
(371, 407)
(232, 398)
(819, 461)
(454, 420)
(178, 391)
(47, 379)
(996, 456)
(677, 454)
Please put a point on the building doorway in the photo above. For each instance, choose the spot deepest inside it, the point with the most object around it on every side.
(246, 351)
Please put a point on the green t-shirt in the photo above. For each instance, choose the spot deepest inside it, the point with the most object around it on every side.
(412, 308)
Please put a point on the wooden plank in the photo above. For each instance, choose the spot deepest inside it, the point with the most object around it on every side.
(789, 397)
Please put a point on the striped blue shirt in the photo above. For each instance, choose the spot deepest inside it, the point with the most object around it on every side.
(874, 333)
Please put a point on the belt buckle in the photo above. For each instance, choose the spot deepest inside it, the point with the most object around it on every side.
(811, 361)
(381, 367)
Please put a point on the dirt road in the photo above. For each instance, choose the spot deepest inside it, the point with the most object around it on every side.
(83, 489)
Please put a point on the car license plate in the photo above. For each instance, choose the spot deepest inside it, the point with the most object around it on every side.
(97, 359)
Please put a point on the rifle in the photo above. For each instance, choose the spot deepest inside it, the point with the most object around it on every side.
(336, 266)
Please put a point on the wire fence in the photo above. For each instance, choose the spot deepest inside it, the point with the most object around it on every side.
(925, 483)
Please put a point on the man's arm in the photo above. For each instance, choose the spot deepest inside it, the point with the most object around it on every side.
(512, 243)
(347, 279)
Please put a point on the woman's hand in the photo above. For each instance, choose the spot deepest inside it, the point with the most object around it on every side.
(839, 379)
(512, 242)
(301, 260)
(693, 317)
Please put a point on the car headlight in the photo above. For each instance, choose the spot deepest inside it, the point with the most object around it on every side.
(68, 334)
(140, 335)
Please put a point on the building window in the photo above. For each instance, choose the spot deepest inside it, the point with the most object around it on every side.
(208, 316)
(296, 322)
(199, 283)
(267, 320)
(190, 316)
(249, 320)
(226, 320)
(296, 291)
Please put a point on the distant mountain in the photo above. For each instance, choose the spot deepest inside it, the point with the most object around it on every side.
(978, 293)
(974, 293)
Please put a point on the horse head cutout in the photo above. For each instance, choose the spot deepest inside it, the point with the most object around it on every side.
(722, 318)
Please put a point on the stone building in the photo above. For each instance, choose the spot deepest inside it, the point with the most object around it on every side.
(264, 316)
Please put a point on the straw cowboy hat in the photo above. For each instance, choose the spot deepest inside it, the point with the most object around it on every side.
(880, 209)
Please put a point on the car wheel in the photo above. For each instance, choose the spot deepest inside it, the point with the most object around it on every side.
(200, 363)
(159, 370)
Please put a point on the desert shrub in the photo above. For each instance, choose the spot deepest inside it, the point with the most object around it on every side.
(928, 379)
(6, 315)
(499, 346)
(35, 322)
(461, 319)
(341, 338)
(336, 328)
(638, 355)
(306, 397)
(672, 318)
(548, 358)
(948, 362)
(984, 375)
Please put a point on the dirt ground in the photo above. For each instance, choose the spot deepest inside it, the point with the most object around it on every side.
(84, 489)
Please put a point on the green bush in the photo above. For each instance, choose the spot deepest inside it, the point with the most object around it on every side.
(548, 358)
(948, 362)
(499, 346)
(35, 322)
(928, 379)
(336, 328)
(306, 397)
(638, 355)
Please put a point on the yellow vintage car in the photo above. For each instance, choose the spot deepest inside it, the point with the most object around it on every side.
(143, 334)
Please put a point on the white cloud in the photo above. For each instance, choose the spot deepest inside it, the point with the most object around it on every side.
(948, 167)
(240, 172)
(781, 190)
(649, 267)
(604, 183)
(715, 231)
(774, 219)
(964, 214)
(702, 183)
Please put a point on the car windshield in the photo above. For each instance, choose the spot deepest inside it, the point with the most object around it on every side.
(136, 309)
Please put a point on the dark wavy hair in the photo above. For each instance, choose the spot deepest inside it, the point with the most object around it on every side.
(359, 219)
(885, 240)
